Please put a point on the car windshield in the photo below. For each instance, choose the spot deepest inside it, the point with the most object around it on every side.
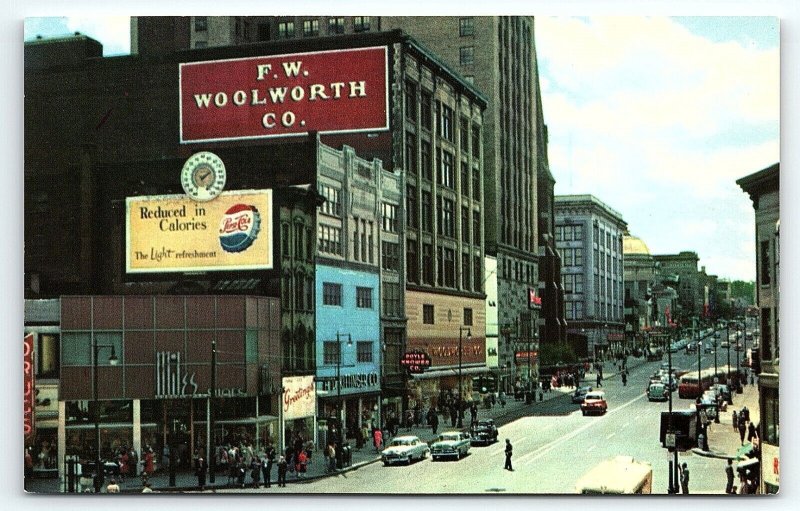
(400, 441)
(593, 395)
(449, 438)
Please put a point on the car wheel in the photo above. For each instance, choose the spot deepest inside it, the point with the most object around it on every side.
(583, 412)
(385, 463)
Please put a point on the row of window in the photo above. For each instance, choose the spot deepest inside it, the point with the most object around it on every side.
(569, 232)
(445, 167)
(333, 207)
(286, 29)
(332, 295)
(333, 352)
(446, 214)
(518, 271)
(445, 117)
(444, 268)
(608, 263)
(428, 316)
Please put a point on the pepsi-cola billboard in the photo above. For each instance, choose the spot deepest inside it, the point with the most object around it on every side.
(284, 95)
(172, 233)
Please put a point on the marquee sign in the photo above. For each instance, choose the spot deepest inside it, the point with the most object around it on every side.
(284, 95)
(415, 361)
(522, 357)
(172, 233)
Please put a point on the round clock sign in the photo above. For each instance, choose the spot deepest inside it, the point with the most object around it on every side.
(203, 176)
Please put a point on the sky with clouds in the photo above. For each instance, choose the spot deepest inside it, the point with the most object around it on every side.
(655, 116)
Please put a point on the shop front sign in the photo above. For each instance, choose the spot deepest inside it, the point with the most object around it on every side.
(284, 95)
(299, 397)
(173, 233)
(416, 361)
(350, 383)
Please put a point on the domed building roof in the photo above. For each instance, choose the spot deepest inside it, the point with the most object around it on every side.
(631, 245)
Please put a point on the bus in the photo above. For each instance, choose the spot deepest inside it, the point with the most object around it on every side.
(689, 389)
(621, 475)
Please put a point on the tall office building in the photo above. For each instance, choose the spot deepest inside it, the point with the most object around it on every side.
(498, 55)
(690, 299)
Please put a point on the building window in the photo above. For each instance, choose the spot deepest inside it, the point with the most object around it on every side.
(310, 28)
(330, 353)
(466, 55)
(412, 216)
(446, 169)
(476, 142)
(476, 228)
(364, 297)
(411, 101)
(201, 44)
(331, 294)
(577, 232)
(391, 299)
(477, 268)
(286, 30)
(389, 218)
(364, 351)
(464, 179)
(467, 316)
(201, 23)
(411, 153)
(764, 274)
(466, 272)
(463, 135)
(476, 185)
(426, 104)
(390, 259)
(329, 239)
(578, 257)
(427, 314)
(440, 266)
(578, 283)
(427, 211)
(361, 24)
(447, 224)
(449, 267)
(466, 27)
(412, 264)
(446, 126)
(427, 263)
(568, 257)
(335, 26)
(426, 162)
(332, 205)
(465, 220)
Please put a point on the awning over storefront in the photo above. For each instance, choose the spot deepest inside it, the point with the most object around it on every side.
(441, 373)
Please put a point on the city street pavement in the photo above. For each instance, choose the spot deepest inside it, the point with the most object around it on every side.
(185, 480)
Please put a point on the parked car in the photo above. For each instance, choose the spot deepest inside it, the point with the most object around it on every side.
(657, 392)
(725, 392)
(450, 444)
(483, 432)
(580, 393)
(405, 449)
(594, 402)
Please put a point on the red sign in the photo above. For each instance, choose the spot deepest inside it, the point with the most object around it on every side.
(534, 302)
(415, 361)
(28, 393)
(522, 357)
(284, 95)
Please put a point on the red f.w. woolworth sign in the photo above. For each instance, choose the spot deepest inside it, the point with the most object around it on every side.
(284, 95)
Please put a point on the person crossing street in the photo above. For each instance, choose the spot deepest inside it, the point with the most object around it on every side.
(509, 453)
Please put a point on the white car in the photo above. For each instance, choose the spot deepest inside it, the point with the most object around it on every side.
(453, 444)
(405, 449)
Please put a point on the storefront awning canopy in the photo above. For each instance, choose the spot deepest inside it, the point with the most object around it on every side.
(440, 373)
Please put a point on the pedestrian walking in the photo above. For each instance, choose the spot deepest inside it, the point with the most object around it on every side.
(112, 487)
(502, 399)
(729, 474)
(751, 432)
(282, 466)
(330, 457)
(742, 430)
(685, 479)
(509, 453)
(377, 439)
(735, 420)
(624, 378)
(268, 462)
(599, 380)
(200, 472)
(255, 471)
(435, 422)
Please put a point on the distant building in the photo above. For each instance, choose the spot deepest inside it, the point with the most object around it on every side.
(589, 237)
(641, 276)
(684, 265)
(764, 190)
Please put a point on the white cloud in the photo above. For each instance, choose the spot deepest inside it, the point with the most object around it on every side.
(659, 123)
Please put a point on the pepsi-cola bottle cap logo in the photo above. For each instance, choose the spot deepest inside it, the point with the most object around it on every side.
(239, 227)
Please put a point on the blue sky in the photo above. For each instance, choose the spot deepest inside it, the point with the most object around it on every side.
(655, 116)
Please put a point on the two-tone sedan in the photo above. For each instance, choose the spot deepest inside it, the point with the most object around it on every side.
(594, 402)
(405, 449)
(450, 444)
(483, 432)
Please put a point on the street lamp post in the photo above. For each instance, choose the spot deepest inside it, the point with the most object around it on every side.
(461, 330)
(738, 366)
(113, 360)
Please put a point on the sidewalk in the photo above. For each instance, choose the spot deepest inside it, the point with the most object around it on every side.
(723, 440)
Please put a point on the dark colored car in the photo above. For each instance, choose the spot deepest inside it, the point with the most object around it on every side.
(580, 393)
(483, 432)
